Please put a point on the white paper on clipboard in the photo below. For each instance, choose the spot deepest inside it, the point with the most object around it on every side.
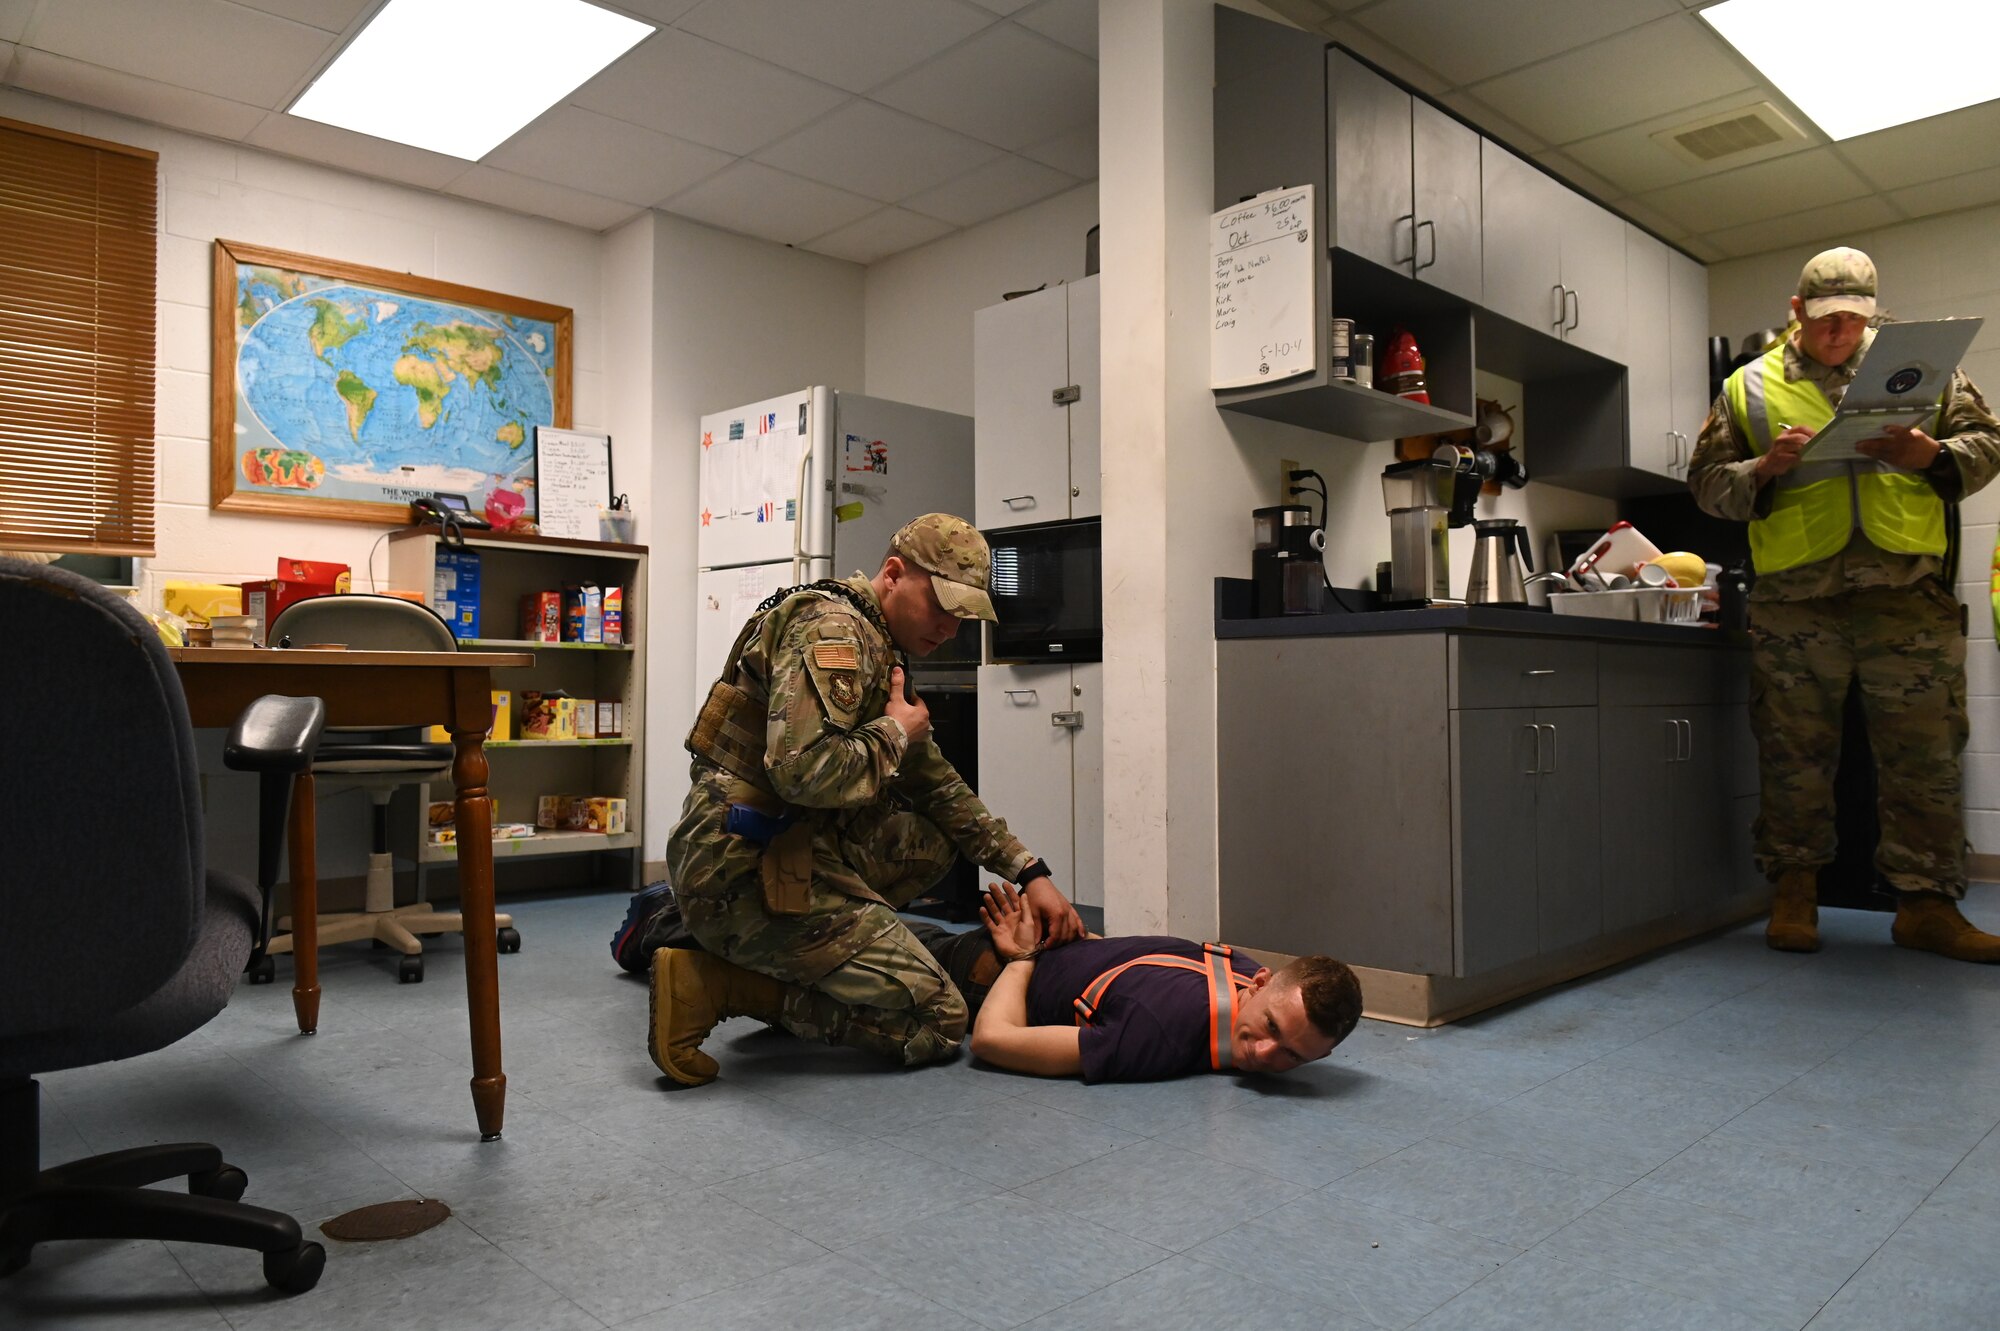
(572, 481)
(1263, 322)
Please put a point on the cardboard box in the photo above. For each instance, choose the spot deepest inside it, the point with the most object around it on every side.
(546, 716)
(199, 602)
(455, 590)
(586, 718)
(604, 813)
(552, 812)
(614, 615)
(444, 813)
(503, 720)
(266, 600)
(583, 613)
(610, 718)
(308, 570)
(542, 616)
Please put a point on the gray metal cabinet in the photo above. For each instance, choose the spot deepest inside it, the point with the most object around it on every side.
(1405, 178)
(1665, 354)
(1555, 261)
(1687, 322)
(1041, 765)
(1035, 404)
(1638, 747)
(1569, 893)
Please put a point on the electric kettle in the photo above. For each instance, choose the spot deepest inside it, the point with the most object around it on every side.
(1500, 560)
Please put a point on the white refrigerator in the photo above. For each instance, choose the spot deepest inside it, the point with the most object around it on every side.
(811, 485)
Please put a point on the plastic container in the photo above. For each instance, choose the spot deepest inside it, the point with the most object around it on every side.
(1642, 605)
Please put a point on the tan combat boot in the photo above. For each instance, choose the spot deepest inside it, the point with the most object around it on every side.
(1794, 925)
(692, 991)
(1930, 922)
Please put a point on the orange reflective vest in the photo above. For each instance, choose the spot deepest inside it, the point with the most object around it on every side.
(1223, 984)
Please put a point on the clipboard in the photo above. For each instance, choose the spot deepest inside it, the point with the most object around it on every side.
(1903, 375)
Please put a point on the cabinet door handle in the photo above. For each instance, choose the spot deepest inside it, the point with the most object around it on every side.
(1554, 751)
(1025, 500)
(1432, 261)
(1576, 310)
(1411, 257)
(1673, 730)
(1562, 306)
(1029, 694)
(1538, 672)
(1534, 762)
(1687, 739)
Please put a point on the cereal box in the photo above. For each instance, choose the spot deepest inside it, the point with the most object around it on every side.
(546, 716)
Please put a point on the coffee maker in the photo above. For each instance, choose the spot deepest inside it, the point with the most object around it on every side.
(1287, 569)
(1425, 499)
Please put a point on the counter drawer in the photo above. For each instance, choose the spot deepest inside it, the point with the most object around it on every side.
(1496, 671)
(1639, 676)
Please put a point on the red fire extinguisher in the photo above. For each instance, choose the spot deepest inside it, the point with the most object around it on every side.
(1402, 369)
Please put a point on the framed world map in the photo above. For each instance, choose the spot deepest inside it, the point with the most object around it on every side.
(342, 391)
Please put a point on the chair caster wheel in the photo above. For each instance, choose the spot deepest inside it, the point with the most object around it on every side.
(225, 1183)
(510, 940)
(262, 971)
(410, 970)
(295, 1270)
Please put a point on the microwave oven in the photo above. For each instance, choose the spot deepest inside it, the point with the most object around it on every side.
(1047, 591)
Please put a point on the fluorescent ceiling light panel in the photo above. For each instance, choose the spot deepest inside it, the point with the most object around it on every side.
(1856, 66)
(459, 77)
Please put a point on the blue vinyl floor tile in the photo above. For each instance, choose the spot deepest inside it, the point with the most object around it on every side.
(1716, 1138)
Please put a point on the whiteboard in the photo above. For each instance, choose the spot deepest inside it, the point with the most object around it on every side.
(1263, 323)
(572, 481)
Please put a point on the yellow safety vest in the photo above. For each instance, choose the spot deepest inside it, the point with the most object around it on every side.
(1818, 505)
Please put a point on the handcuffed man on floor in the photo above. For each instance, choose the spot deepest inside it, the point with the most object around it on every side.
(819, 807)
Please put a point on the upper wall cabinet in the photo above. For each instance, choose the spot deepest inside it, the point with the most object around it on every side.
(1554, 260)
(1405, 180)
(1035, 408)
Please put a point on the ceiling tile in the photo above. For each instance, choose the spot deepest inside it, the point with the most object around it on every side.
(326, 15)
(127, 94)
(1074, 153)
(539, 198)
(756, 200)
(682, 85)
(853, 44)
(1950, 144)
(1395, 59)
(1003, 6)
(1777, 188)
(14, 15)
(210, 46)
(328, 145)
(1469, 40)
(1634, 160)
(1644, 72)
(1071, 22)
(879, 235)
(1006, 86)
(996, 188)
(568, 145)
(1702, 250)
(6, 60)
(1829, 224)
(872, 150)
(1942, 196)
(1579, 176)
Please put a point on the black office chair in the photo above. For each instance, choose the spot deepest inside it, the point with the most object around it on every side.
(378, 762)
(115, 939)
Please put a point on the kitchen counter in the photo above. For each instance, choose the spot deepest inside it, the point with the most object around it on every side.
(1234, 620)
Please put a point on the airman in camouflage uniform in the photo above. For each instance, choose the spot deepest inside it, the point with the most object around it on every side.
(820, 806)
(1880, 617)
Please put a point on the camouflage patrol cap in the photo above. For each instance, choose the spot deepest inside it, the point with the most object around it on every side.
(953, 552)
(1836, 280)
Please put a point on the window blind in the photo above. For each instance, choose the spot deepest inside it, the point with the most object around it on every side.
(78, 246)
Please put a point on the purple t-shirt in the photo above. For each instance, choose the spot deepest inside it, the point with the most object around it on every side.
(1152, 1023)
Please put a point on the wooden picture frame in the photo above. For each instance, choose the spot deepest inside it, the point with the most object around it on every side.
(427, 380)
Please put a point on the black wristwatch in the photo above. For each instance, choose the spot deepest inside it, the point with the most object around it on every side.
(1033, 869)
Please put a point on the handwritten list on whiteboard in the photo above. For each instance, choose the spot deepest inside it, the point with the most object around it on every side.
(1263, 321)
(572, 481)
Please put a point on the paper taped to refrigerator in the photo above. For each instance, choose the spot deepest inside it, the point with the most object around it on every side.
(1263, 320)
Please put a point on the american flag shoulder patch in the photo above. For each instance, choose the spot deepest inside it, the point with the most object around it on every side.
(835, 656)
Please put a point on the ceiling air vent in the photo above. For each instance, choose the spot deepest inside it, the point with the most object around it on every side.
(1746, 132)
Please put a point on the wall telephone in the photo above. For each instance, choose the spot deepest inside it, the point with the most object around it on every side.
(439, 507)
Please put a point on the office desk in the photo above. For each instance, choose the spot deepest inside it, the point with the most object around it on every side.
(382, 689)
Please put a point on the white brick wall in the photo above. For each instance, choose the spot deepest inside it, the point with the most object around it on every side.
(1934, 268)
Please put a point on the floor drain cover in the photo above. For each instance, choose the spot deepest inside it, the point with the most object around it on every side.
(387, 1220)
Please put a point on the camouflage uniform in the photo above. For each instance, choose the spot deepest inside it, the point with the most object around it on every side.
(870, 821)
(1884, 619)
